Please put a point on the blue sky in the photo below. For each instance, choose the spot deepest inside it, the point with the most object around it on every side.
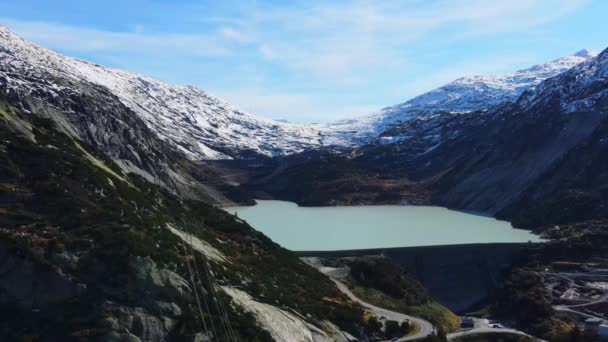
(312, 61)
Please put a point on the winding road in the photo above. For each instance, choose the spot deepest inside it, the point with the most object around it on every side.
(425, 327)
(569, 277)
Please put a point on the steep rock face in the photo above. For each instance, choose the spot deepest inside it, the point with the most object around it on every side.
(28, 287)
(573, 189)
(37, 81)
(537, 161)
(534, 136)
(154, 322)
(487, 160)
(88, 251)
(198, 124)
(463, 95)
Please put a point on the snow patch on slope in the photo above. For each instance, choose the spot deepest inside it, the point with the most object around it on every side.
(199, 124)
(463, 95)
(205, 127)
(578, 89)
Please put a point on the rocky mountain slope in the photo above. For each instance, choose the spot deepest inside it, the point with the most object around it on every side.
(463, 95)
(538, 160)
(59, 88)
(195, 122)
(202, 126)
(108, 229)
(544, 148)
(103, 192)
(89, 252)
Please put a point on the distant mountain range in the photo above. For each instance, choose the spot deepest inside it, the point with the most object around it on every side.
(162, 132)
(204, 127)
(537, 159)
(463, 95)
(197, 123)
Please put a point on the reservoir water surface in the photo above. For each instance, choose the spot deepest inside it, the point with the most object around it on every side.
(359, 227)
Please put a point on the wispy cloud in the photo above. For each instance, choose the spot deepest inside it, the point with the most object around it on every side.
(231, 34)
(296, 107)
(341, 41)
(300, 58)
(138, 42)
(478, 66)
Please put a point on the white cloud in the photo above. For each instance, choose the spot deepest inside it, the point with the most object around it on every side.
(314, 46)
(290, 106)
(139, 29)
(339, 42)
(234, 35)
(267, 52)
(69, 38)
(478, 66)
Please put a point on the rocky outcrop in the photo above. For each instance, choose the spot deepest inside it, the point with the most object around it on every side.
(140, 323)
(155, 320)
(28, 286)
(157, 281)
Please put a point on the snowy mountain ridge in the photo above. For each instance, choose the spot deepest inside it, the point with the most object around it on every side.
(579, 88)
(463, 95)
(205, 127)
(201, 125)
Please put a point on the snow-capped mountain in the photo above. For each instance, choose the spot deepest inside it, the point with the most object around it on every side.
(204, 127)
(517, 154)
(199, 124)
(579, 88)
(463, 95)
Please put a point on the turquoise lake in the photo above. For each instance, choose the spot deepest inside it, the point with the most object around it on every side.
(359, 227)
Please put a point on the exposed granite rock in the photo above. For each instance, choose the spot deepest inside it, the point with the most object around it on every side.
(151, 320)
(118, 337)
(66, 260)
(157, 281)
(141, 323)
(28, 286)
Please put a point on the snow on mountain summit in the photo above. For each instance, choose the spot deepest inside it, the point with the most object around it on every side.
(585, 53)
(463, 95)
(199, 124)
(205, 127)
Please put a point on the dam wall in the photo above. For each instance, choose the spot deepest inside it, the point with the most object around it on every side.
(458, 276)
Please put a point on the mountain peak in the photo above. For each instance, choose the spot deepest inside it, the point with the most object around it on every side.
(586, 53)
(203, 126)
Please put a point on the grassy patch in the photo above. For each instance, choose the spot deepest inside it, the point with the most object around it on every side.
(433, 312)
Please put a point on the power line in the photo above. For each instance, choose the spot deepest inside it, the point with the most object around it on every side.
(201, 283)
(218, 304)
(198, 303)
(221, 305)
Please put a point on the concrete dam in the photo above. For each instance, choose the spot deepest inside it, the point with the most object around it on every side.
(458, 276)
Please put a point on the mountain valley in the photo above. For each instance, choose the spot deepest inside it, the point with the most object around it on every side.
(112, 184)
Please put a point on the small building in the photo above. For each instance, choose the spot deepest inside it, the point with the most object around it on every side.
(597, 326)
(592, 324)
(467, 323)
